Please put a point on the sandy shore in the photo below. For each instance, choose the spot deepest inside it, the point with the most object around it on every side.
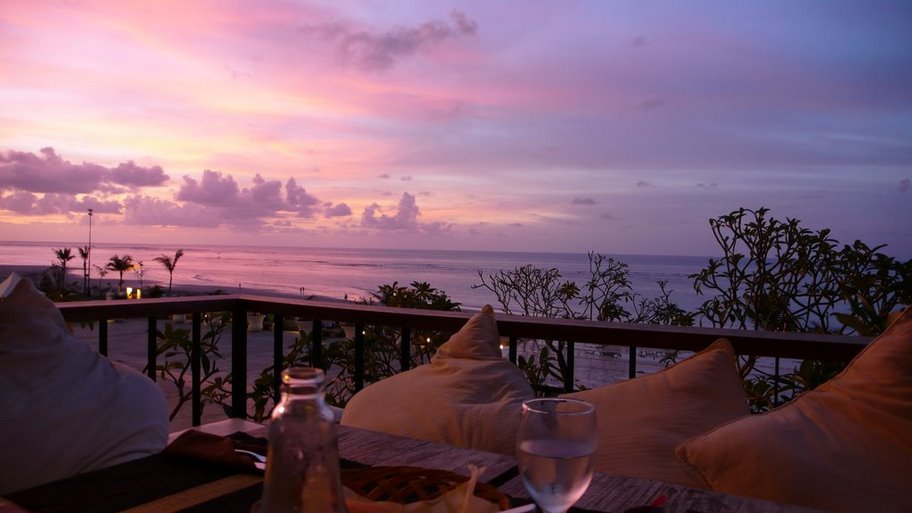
(74, 277)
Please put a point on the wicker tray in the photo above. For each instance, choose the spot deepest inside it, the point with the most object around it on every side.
(411, 484)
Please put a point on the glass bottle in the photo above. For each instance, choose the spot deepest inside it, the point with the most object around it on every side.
(302, 467)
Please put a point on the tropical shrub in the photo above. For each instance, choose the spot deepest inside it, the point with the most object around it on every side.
(606, 296)
(173, 350)
(779, 276)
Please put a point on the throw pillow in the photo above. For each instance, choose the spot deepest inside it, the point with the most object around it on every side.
(65, 409)
(845, 446)
(468, 396)
(642, 420)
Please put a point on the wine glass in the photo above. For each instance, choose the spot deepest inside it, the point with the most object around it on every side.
(555, 446)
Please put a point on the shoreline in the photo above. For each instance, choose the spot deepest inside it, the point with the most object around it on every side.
(33, 272)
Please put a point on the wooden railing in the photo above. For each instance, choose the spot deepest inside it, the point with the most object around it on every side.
(633, 336)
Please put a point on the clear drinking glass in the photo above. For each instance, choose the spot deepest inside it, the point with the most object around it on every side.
(554, 447)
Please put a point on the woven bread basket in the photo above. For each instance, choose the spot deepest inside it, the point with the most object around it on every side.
(412, 484)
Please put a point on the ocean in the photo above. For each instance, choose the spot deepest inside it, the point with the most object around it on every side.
(355, 273)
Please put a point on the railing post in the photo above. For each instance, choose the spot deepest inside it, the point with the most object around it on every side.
(316, 344)
(103, 336)
(571, 357)
(239, 362)
(514, 343)
(278, 356)
(631, 362)
(359, 357)
(196, 408)
(776, 385)
(151, 346)
(405, 350)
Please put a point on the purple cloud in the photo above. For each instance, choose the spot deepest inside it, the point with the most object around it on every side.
(98, 206)
(266, 192)
(246, 206)
(299, 200)
(131, 175)
(340, 210)
(645, 185)
(20, 202)
(583, 201)
(406, 217)
(213, 190)
(379, 51)
(904, 185)
(50, 173)
(24, 202)
(652, 103)
(147, 211)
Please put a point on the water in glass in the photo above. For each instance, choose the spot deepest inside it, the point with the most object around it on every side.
(556, 443)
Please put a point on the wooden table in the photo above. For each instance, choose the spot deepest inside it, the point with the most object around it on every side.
(117, 488)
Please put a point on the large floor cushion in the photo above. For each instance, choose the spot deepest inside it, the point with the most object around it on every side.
(468, 396)
(642, 420)
(844, 447)
(64, 408)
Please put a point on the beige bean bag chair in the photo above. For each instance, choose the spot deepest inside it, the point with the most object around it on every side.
(468, 396)
(64, 408)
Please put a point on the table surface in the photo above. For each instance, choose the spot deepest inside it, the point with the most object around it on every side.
(227, 492)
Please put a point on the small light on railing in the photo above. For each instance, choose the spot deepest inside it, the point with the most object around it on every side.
(429, 340)
(501, 347)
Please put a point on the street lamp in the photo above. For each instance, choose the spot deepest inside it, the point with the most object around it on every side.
(89, 266)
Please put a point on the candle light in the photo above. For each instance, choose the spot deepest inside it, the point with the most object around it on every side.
(129, 292)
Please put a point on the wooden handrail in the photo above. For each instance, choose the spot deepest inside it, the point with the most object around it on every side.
(764, 343)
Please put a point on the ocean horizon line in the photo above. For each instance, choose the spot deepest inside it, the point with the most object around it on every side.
(356, 272)
(155, 245)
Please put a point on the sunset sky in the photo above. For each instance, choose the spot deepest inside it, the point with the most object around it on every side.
(620, 127)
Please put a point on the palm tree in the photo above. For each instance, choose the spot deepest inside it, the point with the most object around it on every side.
(170, 264)
(120, 265)
(84, 255)
(63, 255)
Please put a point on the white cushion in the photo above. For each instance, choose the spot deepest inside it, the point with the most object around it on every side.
(65, 409)
(844, 447)
(468, 396)
(642, 420)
